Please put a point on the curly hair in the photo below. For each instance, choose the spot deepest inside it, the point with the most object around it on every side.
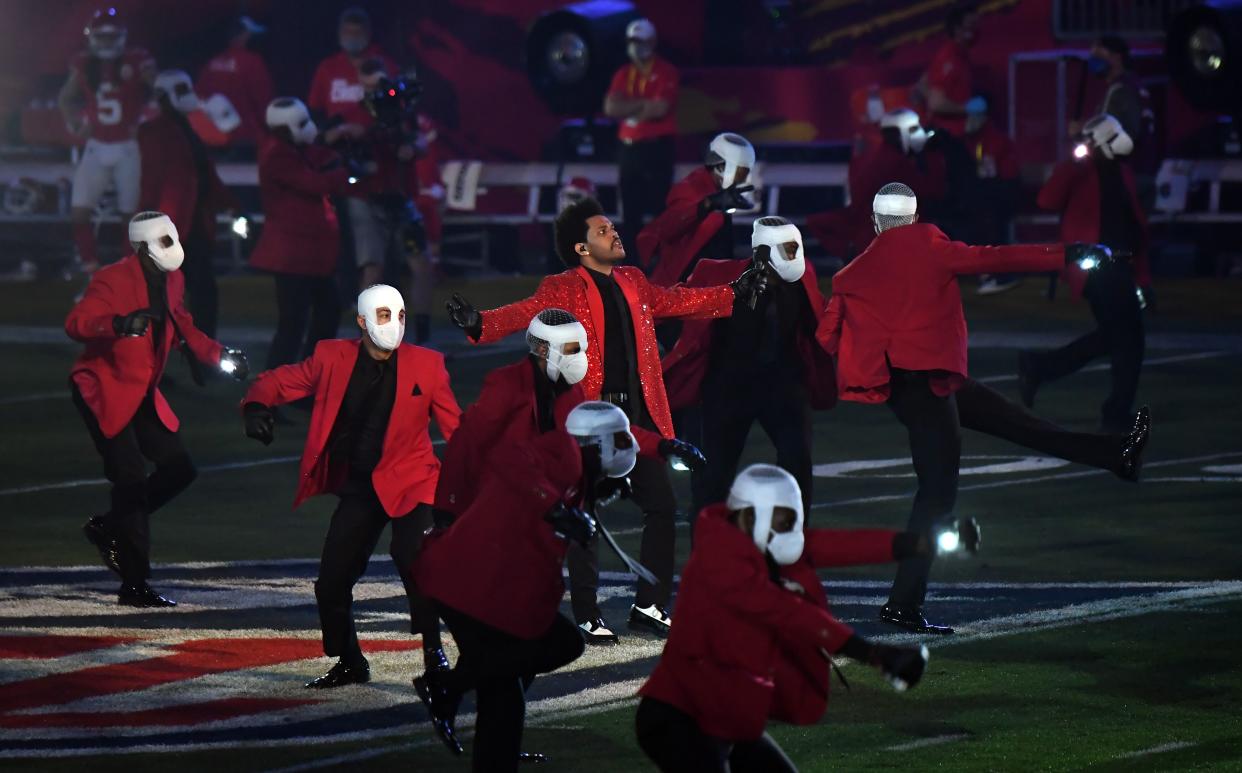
(571, 229)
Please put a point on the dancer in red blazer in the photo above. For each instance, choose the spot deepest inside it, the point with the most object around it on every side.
(896, 326)
(301, 235)
(755, 633)
(698, 219)
(368, 443)
(173, 160)
(517, 404)
(130, 318)
(617, 306)
(1097, 201)
(761, 364)
(495, 574)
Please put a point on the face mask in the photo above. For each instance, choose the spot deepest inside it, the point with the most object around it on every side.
(162, 242)
(776, 237)
(1098, 66)
(177, 87)
(353, 45)
(734, 152)
(389, 335)
(639, 51)
(764, 487)
(571, 367)
(547, 334)
(603, 424)
(974, 122)
(292, 114)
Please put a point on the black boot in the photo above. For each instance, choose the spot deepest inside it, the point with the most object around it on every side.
(109, 551)
(434, 659)
(141, 595)
(911, 619)
(342, 674)
(441, 705)
(1131, 462)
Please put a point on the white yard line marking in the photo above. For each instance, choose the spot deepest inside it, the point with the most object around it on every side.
(1106, 366)
(923, 743)
(1022, 481)
(1164, 747)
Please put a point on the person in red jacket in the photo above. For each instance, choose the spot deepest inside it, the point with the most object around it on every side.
(513, 537)
(642, 98)
(618, 306)
(896, 326)
(300, 238)
(902, 155)
(130, 318)
(994, 194)
(1097, 199)
(755, 636)
(698, 220)
(240, 74)
(761, 364)
(180, 179)
(518, 403)
(948, 83)
(369, 444)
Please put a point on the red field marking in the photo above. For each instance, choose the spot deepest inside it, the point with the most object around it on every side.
(187, 714)
(55, 646)
(190, 659)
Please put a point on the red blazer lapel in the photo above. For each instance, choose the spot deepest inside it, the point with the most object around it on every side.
(631, 297)
(595, 304)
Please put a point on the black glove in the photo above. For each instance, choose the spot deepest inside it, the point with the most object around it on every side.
(609, 490)
(751, 284)
(1089, 257)
(903, 667)
(134, 323)
(234, 363)
(681, 455)
(465, 316)
(571, 523)
(726, 199)
(260, 423)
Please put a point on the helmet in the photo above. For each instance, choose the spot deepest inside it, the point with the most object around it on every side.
(1105, 132)
(105, 35)
(906, 122)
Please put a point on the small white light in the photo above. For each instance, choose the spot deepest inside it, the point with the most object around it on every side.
(730, 211)
(947, 541)
(679, 465)
(1088, 263)
(227, 365)
(1080, 151)
(241, 227)
(352, 179)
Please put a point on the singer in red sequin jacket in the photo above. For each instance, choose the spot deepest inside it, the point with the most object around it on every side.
(574, 291)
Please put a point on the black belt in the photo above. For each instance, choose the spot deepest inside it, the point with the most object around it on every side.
(620, 399)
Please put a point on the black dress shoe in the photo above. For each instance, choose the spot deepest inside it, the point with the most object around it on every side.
(109, 552)
(532, 758)
(342, 674)
(911, 619)
(597, 632)
(1028, 380)
(441, 708)
(142, 596)
(653, 619)
(1131, 463)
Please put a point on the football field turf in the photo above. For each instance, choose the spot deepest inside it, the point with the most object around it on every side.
(1098, 628)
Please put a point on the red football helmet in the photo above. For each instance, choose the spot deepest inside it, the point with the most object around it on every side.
(105, 34)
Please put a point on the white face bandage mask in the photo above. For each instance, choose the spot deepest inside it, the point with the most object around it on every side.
(596, 423)
(765, 487)
(387, 336)
(736, 153)
(789, 268)
(178, 88)
(553, 328)
(292, 114)
(160, 236)
(1105, 132)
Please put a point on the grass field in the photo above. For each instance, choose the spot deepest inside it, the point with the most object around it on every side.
(1098, 628)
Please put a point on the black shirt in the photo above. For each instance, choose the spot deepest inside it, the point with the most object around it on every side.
(618, 334)
(1119, 226)
(358, 434)
(762, 342)
(157, 299)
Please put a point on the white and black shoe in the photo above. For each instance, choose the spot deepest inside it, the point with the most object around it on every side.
(597, 632)
(652, 619)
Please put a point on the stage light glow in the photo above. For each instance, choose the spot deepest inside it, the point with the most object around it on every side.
(241, 227)
(948, 541)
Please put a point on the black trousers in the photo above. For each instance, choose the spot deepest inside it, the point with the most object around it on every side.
(352, 536)
(1118, 333)
(202, 295)
(673, 741)
(299, 300)
(729, 408)
(499, 667)
(645, 170)
(985, 410)
(931, 423)
(653, 494)
(135, 494)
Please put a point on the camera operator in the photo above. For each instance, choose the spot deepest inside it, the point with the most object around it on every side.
(389, 240)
